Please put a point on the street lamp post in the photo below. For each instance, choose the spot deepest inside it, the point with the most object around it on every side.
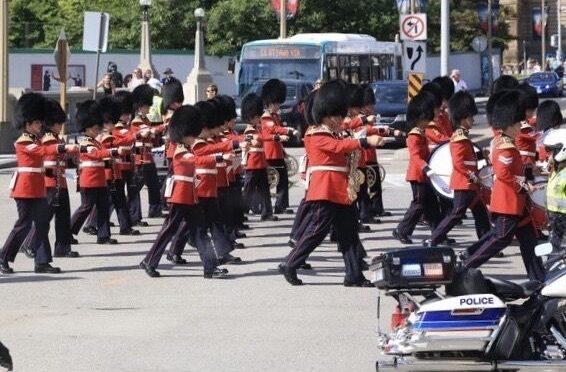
(5, 137)
(145, 47)
(199, 77)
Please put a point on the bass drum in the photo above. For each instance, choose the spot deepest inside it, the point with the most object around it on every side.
(440, 161)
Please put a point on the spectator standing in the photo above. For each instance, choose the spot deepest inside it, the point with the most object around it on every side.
(168, 76)
(211, 91)
(137, 79)
(115, 75)
(459, 83)
(107, 85)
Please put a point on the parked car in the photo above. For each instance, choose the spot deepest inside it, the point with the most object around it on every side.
(546, 83)
(291, 109)
(391, 105)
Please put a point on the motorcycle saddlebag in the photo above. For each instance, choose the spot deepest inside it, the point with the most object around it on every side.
(413, 268)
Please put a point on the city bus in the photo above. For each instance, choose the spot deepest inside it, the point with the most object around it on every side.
(308, 57)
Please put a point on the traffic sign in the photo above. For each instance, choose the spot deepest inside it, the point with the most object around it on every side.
(95, 31)
(413, 26)
(414, 56)
(415, 84)
(62, 54)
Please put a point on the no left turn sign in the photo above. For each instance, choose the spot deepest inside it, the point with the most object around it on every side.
(413, 26)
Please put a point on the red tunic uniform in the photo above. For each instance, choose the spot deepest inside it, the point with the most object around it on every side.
(208, 154)
(124, 138)
(445, 124)
(111, 169)
(328, 165)
(464, 162)
(507, 195)
(143, 146)
(55, 165)
(418, 156)
(434, 135)
(91, 163)
(271, 129)
(526, 143)
(29, 181)
(183, 177)
(255, 157)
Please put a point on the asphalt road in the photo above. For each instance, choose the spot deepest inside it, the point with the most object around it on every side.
(104, 314)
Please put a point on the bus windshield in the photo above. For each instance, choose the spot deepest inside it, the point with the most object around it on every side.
(264, 69)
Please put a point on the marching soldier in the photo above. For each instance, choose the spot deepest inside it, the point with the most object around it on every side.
(330, 192)
(446, 90)
(465, 177)
(273, 95)
(256, 186)
(420, 112)
(509, 213)
(185, 125)
(28, 184)
(92, 177)
(56, 186)
(145, 170)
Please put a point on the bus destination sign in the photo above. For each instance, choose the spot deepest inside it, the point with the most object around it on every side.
(281, 52)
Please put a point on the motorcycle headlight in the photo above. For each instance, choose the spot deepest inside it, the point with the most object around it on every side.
(547, 86)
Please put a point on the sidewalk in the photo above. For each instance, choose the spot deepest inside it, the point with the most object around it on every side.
(7, 161)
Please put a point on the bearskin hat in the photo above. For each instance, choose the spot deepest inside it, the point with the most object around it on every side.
(369, 95)
(308, 109)
(461, 105)
(88, 115)
(549, 115)
(273, 91)
(109, 109)
(355, 96)
(186, 121)
(124, 99)
(446, 86)
(30, 107)
(171, 92)
(421, 108)
(251, 107)
(435, 90)
(207, 113)
(54, 114)
(331, 100)
(508, 110)
(227, 107)
(142, 95)
(530, 95)
(504, 82)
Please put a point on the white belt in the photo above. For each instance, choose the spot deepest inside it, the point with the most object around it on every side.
(527, 153)
(91, 164)
(120, 161)
(320, 168)
(221, 165)
(183, 178)
(470, 162)
(206, 171)
(125, 147)
(30, 170)
(252, 149)
(53, 163)
(142, 144)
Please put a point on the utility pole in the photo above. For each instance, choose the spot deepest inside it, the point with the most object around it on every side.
(283, 20)
(543, 35)
(444, 36)
(559, 29)
(413, 6)
(489, 46)
(4, 125)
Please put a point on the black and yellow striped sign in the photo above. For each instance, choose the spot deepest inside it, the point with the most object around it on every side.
(415, 82)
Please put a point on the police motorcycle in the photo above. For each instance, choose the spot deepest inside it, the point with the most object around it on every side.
(475, 323)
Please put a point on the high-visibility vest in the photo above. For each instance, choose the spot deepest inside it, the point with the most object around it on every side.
(556, 192)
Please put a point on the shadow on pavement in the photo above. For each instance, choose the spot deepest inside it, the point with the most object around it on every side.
(36, 278)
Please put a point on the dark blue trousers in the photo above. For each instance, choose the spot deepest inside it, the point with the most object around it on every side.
(30, 211)
(321, 216)
(282, 198)
(256, 192)
(424, 202)
(90, 197)
(146, 175)
(463, 199)
(192, 216)
(500, 236)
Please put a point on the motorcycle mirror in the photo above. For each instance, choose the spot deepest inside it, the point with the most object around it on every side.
(543, 249)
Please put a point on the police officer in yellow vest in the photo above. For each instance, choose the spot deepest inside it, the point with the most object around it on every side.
(555, 143)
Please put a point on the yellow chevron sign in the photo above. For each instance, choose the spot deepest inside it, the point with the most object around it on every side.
(415, 84)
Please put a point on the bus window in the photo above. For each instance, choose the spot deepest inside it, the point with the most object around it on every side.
(365, 69)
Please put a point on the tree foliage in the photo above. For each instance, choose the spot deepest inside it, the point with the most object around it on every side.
(231, 23)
